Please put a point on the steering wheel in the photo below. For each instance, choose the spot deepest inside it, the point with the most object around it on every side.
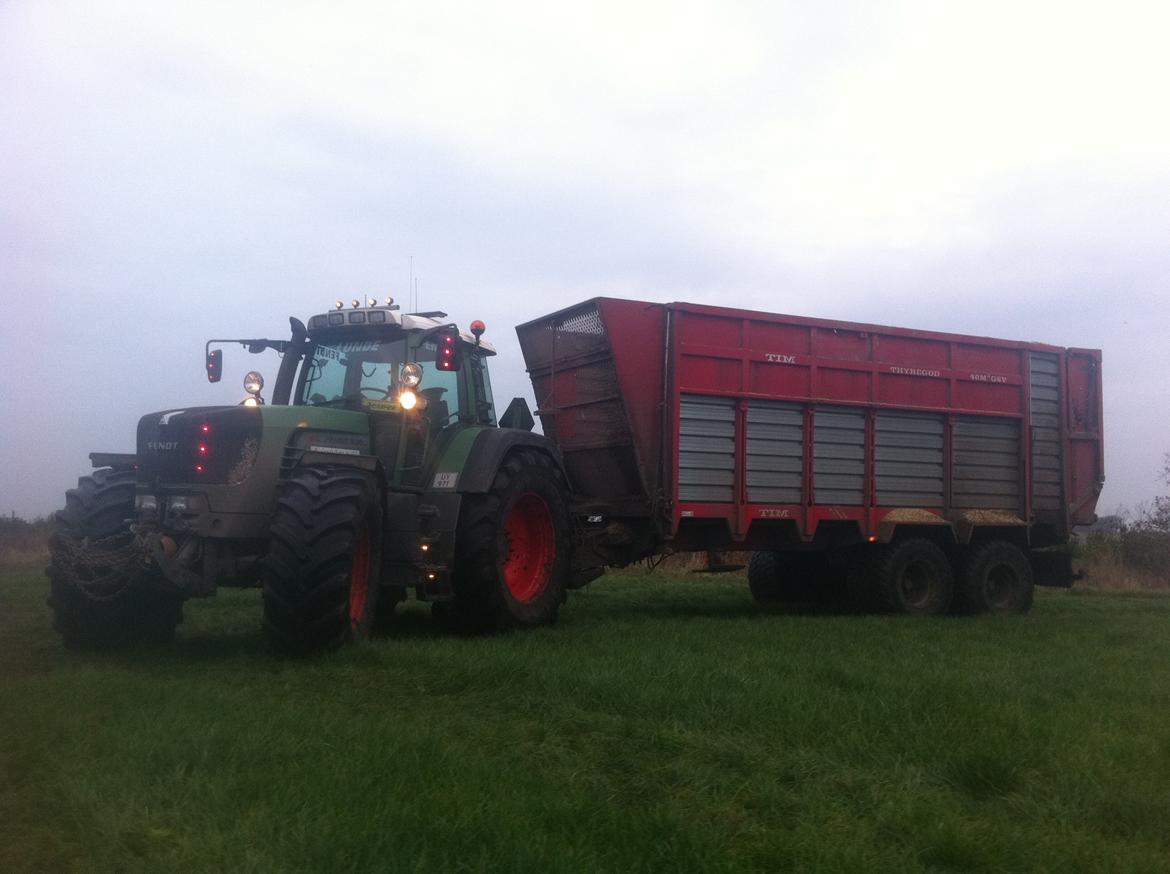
(382, 392)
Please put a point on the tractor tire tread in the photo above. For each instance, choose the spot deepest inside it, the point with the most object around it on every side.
(141, 610)
(305, 573)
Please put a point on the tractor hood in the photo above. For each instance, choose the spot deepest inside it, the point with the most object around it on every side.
(220, 445)
(199, 444)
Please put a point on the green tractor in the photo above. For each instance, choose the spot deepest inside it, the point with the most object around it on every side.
(378, 468)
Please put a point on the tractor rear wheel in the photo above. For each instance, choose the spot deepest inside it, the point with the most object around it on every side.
(102, 594)
(513, 545)
(321, 575)
(996, 578)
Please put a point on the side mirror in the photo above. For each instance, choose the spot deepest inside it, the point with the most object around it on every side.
(214, 365)
(449, 356)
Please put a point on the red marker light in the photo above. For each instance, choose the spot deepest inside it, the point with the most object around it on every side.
(203, 449)
(199, 468)
(448, 355)
(205, 428)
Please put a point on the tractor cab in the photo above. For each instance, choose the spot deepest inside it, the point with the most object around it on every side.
(375, 359)
(416, 376)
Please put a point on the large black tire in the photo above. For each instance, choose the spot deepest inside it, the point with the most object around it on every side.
(513, 546)
(996, 577)
(102, 594)
(321, 574)
(783, 577)
(913, 577)
(764, 580)
(860, 589)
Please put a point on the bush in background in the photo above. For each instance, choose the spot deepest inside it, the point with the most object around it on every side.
(22, 540)
(1130, 551)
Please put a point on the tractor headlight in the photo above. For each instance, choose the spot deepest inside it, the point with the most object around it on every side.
(412, 375)
(408, 400)
(253, 382)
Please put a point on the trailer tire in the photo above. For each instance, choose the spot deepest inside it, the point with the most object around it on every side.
(101, 593)
(997, 578)
(513, 546)
(913, 577)
(783, 577)
(764, 580)
(321, 574)
(859, 589)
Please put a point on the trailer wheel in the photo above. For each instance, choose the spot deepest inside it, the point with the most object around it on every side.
(102, 594)
(764, 580)
(782, 577)
(914, 577)
(859, 588)
(321, 576)
(513, 546)
(996, 578)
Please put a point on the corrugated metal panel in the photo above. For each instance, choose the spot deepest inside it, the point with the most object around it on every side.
(775, 452)
(908, 459)
(985, 464)
(839, 455)
(706, 458)
(1044, 380)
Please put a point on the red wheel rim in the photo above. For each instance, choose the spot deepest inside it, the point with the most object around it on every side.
(531, 547)
(359, 576)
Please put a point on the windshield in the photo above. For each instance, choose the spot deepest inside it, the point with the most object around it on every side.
(343, 370)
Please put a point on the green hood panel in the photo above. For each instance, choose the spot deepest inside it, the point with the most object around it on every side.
(318, 418)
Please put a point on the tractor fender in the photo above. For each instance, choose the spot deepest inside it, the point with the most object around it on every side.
(489, 449)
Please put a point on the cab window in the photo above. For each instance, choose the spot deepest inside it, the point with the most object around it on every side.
(343, 370)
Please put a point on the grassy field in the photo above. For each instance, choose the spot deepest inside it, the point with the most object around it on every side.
(663, 725)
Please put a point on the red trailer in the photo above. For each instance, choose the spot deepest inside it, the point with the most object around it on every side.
(923, 464)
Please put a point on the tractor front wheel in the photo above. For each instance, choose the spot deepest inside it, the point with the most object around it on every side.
(101, 592)
(513, 545)
(321, 574)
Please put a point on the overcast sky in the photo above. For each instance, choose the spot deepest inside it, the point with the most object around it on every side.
(173, 172)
